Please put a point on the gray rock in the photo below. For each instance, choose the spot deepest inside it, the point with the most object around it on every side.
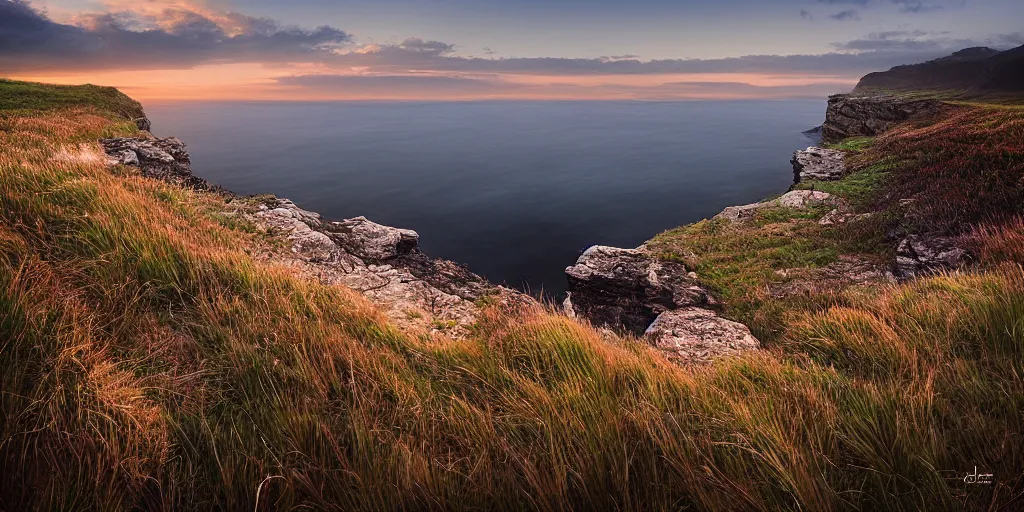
(803, 199)
(695, 335)
(306, 242)
(848, 271)
(372, 241)
(163, 159)
(799, 199)
(816, 163)
(850, 115)
(143, 123)
(741, 213)
(842, 216)
(918, 255)
(629, 288)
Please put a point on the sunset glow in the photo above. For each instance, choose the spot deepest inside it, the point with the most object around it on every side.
(262, 50)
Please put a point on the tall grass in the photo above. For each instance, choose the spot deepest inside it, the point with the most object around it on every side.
(147, 361)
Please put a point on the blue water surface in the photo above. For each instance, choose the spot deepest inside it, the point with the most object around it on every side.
(515, 190)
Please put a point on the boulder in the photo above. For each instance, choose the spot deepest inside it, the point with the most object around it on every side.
(918, 255)
(816, 163)
(696, 335)
(629, 288)
(369, 240)
(846, 272)
(799, 199)
(143, 123)
(295, 224)
(853, 115)
(803, 199)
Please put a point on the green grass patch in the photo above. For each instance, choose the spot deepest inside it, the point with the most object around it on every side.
(858, 188)
(738, 260)
(30, 96)
(855, 144)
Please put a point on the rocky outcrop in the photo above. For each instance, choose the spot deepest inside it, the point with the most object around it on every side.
(797, 199)
(631, 290)
(868, 115)
(163, 159)
(383, 263)
(695, 335)
(820, 164)
(628, 288)
(372, 241)
(918, 255)
(846, 272)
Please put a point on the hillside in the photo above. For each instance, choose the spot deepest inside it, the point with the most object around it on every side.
(968, 73)
(156, 352)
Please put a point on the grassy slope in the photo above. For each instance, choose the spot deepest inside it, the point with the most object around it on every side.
(27, 96)
(944, 177)
(147, 360)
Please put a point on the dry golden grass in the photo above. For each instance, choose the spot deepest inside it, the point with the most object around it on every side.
(147, 362)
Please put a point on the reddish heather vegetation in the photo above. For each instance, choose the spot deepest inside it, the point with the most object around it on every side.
(960, 171)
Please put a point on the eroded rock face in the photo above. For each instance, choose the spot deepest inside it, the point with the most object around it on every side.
(851, 115)
(384, 264)
(798, 199)
(163, 159)
(697, 335)
(629, 288)
(369, 240)
(816, 163)
(918, 255)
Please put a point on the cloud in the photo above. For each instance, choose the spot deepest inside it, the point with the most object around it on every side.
(1007, 40)
(916, 6)
(919, 42)
(397, 85)
(806, 15)
(179, 35)
(906, 6)
(415, 44)
(174, 37)
(849, 15)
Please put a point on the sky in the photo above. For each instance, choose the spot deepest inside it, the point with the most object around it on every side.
(486, 49)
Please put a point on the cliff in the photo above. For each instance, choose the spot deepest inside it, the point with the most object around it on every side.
(867, 115)
(165, 345)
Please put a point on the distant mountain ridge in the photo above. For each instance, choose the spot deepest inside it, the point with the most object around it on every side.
(971, 72)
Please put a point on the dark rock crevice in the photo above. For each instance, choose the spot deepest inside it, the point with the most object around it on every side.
(628, 288)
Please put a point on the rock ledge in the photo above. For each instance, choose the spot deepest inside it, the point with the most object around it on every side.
(816, 163)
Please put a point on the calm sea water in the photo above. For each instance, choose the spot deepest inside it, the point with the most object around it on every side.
(515, 190)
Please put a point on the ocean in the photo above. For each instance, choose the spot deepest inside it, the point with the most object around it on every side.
(516, 190)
